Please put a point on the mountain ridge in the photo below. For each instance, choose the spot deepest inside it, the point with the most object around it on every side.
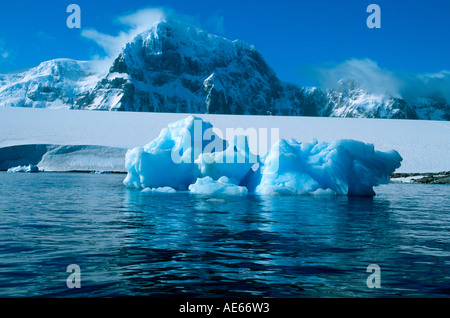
(174, 67)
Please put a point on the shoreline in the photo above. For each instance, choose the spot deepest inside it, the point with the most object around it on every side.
(414, 177)
(423, 145)
(426, 178)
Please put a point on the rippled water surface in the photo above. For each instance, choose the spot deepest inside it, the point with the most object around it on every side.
(129, 243)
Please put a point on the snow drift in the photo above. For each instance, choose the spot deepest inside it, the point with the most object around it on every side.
(182, 159)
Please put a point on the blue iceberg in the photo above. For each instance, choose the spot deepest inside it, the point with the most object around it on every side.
(223, 186)
(190, 155)
(346, 167)
(27, 169)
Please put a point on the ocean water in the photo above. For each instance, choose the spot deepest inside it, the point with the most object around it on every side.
(129, 243)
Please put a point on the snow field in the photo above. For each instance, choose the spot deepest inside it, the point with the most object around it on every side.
(423, 145)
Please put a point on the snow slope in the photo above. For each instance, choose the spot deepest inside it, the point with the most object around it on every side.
(52, 84)
(424, 145)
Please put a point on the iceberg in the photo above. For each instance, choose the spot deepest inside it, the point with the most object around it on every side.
(345, 167)
(28, 169)
(223, 186)
(189, 155)
(101, 172)
(234, 162)
(159, 190)
(168, 161)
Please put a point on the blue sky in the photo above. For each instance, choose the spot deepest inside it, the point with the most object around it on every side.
(294, 36)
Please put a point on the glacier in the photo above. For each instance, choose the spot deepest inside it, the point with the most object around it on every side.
(180, 158)
(50, 157)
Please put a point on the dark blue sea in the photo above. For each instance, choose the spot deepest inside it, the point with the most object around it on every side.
(129, 243)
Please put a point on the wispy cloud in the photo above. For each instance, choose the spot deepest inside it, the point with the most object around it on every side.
(378, 80)
(215, 24)
(133, 24)
(365, 72)
(45, 37)
(4, 54)
(142, 20)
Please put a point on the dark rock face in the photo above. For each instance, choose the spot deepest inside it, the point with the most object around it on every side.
(177, 68)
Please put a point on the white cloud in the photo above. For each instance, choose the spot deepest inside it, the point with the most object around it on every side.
(364, 71)
(4, 54)
(377, 80)
(140, 21)
(426, 85)
(135, 23)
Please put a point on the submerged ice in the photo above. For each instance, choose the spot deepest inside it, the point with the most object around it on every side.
(188, 155)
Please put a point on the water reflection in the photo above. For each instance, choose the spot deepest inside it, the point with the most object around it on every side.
(131, 243)
(259, 241)
(277, 245)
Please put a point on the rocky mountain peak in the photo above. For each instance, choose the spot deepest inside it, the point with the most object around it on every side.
(177, 67)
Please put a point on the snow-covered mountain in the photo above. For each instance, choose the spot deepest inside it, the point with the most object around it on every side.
(350, 100)
(174, 67)
(53, 84)
(178, 68)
